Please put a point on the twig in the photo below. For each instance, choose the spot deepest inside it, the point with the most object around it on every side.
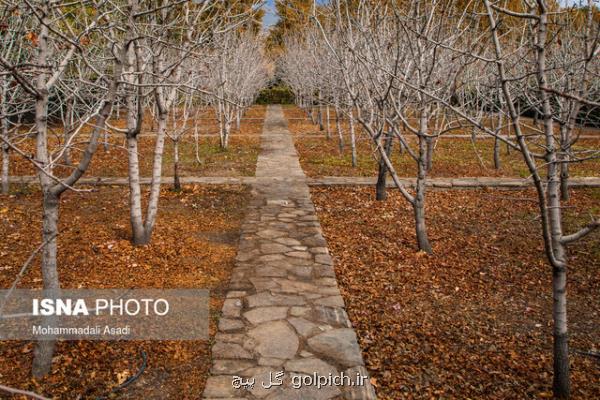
(593, 354)
(24, 269)
(23, 392)
(132, 379)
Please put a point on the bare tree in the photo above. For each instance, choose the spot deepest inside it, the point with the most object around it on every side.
(538, 17)
(56, 43)
(428, 67)
(238, 74)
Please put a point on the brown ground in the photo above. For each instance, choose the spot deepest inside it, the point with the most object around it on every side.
(239, 159)
(473, 320)
(193, 246)
(452, 157)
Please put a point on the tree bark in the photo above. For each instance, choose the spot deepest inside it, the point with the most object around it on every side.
(156, 177)
(135, 193)
(429, 154)
(4, 144)
(105, 145)
(176, 182)
(564, 165)
(558, 259)
(419, 202)
(352, 138)
(197, 146)
(381, 186)
(320, 115)
(497, 161)
(225, 136)
(68, 130)
(328, 115)
(338, 126)
(5, 167)
(44, 349)
(561, 384)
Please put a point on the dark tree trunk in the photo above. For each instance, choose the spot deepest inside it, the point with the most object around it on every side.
(419, 202)
(44, 349)
(497, 162)
(564, 165)
(429, 157)
(381, 186)
(176, 181)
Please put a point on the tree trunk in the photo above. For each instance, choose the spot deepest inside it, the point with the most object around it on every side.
(352, 138)
(68, 130)
(498, 129)
(561, 384)
(221, 117)
(44, 349)
(564, 165)
(338, 127)
(4, 145)
(429, 155)
(320, 116)
(419, 202)
(5, 168)
(225, 134)
(557, 256)
(381, 186)
(497, 162)
(197, 146)
(176, 182)
(508, 137)
(156, 177)
(106, 139)
(135, 193)
(328, 115)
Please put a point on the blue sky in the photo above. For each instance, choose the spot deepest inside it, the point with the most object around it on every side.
(270, 14)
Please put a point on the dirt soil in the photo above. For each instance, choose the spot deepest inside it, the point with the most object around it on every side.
(193, 246)
(473, 320)
(452, 157)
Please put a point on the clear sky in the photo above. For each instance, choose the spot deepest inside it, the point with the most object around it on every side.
(270, 14)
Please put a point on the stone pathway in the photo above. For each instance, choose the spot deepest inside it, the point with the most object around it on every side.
(283, 319)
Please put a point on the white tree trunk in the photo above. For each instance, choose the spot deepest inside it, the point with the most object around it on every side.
(142, 230)
(353, 138)
(338, 126)
(135, 193)
(328, 125)
(156, 177)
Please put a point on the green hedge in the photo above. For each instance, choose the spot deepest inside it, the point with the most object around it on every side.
(276, 95)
